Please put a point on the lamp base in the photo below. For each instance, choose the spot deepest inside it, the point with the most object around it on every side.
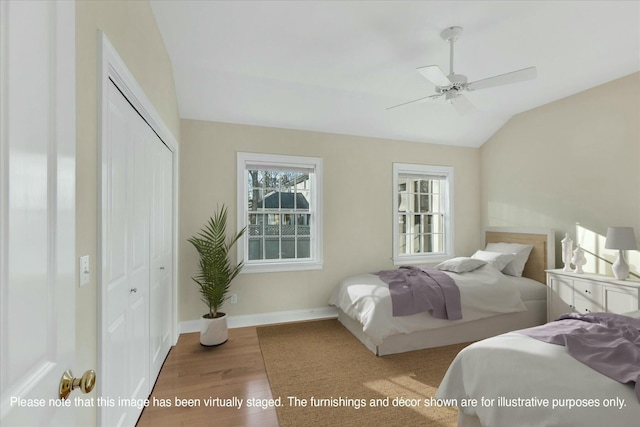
(620, 267)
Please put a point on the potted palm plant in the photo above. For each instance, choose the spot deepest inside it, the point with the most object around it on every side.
(215, 275)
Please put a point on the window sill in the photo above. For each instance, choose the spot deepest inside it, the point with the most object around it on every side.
(281, 266)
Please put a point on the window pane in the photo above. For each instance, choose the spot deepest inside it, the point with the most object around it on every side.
(402, 224)
(273, 219)
(255, 199)
(416, 244)
(433, 243)
(435, 224)
(403, 202)
(304, 247)
(402, 182)
(302, 200)
(255, 230)
(416, 224)
(303, 219)
(435, 203)
(272, 230)
(272, 248)
(255, 249)
(288, 248)
(425, 205)
(288, 230)
(402, 249)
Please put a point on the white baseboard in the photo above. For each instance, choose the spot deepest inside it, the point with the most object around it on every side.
(190, 326)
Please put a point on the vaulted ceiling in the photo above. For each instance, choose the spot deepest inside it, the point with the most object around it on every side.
(335, 66)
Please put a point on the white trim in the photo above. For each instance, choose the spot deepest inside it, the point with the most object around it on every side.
(282, 266)
(113, 68)
(271, 318)
(428, 170)
(242, 211)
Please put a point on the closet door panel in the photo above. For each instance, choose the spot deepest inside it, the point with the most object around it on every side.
(138, 219)
(161, 253)
(126, 247)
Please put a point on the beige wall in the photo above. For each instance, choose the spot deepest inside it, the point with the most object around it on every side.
(573, 160)
(131, 28)
(357, 206)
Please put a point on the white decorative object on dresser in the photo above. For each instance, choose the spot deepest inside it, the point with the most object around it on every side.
(588, 292)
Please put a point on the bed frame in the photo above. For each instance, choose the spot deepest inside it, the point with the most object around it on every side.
(542, 258)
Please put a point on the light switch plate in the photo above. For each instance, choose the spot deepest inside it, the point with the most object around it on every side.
(85, 274)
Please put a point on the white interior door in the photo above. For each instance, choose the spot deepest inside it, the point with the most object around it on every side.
(125, 270)
(37, 211)
(161, 217)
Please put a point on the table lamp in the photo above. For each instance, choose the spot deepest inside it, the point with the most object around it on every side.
(620, 238)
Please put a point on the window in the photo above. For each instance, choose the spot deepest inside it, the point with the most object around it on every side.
(279, 201)
(422, 213)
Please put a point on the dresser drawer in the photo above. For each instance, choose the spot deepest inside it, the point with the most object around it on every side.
(620, 300)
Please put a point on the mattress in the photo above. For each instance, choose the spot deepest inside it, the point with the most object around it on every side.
(530, 290)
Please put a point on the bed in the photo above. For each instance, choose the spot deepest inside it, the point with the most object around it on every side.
(515, 379)
(363, 303)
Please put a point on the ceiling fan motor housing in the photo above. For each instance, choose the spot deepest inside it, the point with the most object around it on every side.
(458, 83)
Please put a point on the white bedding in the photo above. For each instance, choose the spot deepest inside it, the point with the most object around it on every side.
(515, 366)
(484, 292)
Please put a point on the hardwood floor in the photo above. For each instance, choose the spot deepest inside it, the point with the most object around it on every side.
(234, 370)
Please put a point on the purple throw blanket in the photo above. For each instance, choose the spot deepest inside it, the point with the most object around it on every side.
(419, 289)
(606, 342)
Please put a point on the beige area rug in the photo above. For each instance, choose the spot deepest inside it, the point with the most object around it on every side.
(324, 376)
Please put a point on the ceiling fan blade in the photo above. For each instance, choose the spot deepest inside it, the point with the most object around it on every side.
(415, 101)
(504, 79)
(434, 74)
(462, 104)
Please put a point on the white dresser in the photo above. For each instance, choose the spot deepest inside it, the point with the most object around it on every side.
(587, 293)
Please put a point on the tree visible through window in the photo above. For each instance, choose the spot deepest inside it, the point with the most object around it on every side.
(280, 205)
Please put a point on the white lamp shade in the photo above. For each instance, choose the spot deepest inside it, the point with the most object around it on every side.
(621, 238)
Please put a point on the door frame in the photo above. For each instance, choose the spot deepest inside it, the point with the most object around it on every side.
(113, 69)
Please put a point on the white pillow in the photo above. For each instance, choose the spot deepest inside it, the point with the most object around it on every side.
(515, 267)
(495, 259)
(460, 264)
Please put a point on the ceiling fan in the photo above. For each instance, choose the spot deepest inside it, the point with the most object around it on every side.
(452, 86)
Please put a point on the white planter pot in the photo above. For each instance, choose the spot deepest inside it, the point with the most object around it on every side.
(214, 331)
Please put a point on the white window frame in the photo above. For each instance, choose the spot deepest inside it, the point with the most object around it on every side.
(276, 161)
(447, 207)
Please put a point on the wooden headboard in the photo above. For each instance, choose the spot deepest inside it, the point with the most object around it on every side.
(542, 256)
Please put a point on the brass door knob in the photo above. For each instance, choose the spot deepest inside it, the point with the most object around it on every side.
(68, 383)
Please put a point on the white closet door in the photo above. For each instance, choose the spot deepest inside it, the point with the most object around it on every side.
(161, 164)
(125, 287)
